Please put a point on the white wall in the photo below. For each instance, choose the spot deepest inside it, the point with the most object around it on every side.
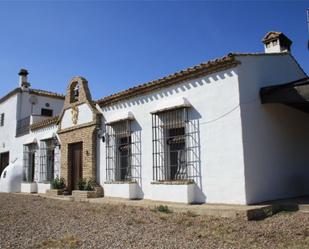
(7, 132)
(85, 115)
(275, 136)
(215, 102)
(24, 110)
(18, 107)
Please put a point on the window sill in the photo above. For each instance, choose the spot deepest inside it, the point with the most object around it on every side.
(120, 182)
(173, 182)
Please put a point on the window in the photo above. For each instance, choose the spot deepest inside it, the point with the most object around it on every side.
(268, 45)
(2, 119)
(48, 158)
(30, 154)
(176, 153)
(46, 112)
(123, 152)
(118, 147)
(175, 146)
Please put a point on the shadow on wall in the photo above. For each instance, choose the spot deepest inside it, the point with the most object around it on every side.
(194, 154)
(172, 90)
(136, 156)
(275, 147)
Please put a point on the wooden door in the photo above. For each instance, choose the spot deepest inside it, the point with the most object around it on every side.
(4, 161)
(76, 151)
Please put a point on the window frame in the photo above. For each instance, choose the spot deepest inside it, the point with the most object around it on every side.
(30, 154)
(162, 123)
(2, 117)
(114, 132)
(48, 112)
(48, 171)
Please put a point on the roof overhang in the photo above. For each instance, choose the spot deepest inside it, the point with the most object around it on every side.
(119, 117)
(294, 94)
(172, 104)
(49, 135)
(30, 140)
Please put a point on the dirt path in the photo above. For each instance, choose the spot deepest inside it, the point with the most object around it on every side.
(34, 222)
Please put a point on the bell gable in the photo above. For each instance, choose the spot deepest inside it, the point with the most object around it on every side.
(78, 109)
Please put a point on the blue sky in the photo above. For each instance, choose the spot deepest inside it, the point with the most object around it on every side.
(119, 44)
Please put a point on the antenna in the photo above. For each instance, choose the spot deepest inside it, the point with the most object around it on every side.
(308, 25)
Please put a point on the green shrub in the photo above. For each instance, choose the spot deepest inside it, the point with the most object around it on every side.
(82, 184)
(58, 183)
(162, 209)
(86, 185)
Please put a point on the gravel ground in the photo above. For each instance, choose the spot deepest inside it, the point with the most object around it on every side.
(34, 222)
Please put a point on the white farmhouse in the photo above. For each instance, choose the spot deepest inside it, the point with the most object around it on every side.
(231, 130)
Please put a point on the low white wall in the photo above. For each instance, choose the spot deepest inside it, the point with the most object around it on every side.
(43, 187)
(29, 187)
(122, 190)
(183, 193)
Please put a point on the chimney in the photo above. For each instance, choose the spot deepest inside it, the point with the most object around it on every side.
(23, 79)
(276, 42)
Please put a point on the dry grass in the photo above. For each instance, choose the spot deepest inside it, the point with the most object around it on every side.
(67, 241)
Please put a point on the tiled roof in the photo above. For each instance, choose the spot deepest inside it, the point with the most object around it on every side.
(43, 123)
(211, 66)
(195, 71)
(46, 93)
(32, 91)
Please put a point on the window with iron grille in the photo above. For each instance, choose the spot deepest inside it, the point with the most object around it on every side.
(30, 156)
(175, 146)
(23, 126)
(49, 155)
(2, 119)
(122, 152)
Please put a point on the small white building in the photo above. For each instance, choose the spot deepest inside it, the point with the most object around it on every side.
(22, 146)
(226, 131)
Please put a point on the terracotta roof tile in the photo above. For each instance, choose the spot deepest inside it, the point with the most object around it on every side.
(33, 91)
(46, 93)
(211, 66)
(44, 123)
